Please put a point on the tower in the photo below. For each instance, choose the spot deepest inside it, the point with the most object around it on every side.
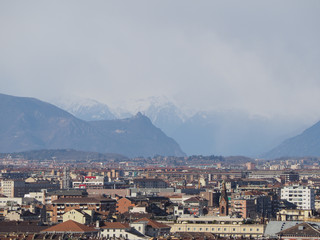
(66, 178)
(223, 201)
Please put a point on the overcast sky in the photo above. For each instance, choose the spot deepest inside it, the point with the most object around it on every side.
(259, 56)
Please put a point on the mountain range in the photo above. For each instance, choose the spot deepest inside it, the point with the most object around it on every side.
(30, 124)
(200, 132)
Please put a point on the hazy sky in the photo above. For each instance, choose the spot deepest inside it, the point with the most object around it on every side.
(258, 56)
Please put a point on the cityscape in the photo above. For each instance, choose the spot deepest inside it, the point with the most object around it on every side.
(159, 120)
(194, 197)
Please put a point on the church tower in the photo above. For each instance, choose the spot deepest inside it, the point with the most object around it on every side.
(223, 202)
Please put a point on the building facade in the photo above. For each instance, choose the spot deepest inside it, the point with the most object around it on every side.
(301, 196)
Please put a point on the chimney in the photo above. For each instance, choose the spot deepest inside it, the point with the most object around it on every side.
(97, 224)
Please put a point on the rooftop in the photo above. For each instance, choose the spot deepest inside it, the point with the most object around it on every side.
(70, 226)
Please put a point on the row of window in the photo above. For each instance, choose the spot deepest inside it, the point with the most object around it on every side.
(218, 229)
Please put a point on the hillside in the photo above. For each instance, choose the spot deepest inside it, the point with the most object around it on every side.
(30, 124)
(305, 144)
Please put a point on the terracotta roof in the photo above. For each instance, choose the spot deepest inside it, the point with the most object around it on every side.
(152, 223)
(115, 225)
(70, 226)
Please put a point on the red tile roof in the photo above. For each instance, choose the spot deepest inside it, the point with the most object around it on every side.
(116, 225)
(70, 226)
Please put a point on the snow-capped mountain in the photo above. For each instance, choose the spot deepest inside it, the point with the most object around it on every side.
(86, 109)
(201, 132)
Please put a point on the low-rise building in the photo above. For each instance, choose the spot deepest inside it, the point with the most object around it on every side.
(116, 230)
(77, 215)
(220, 226)
(294, 215)
(154, 228)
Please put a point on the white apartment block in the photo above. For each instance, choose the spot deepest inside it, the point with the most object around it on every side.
(301, 196)
(91, 182)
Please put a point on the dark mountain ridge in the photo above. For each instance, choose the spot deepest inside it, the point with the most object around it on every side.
(305, 144)
(30, 124)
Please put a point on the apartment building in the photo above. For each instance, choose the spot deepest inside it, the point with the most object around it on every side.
(13, 187)
(245, 208)
(91, 182)
(302, 196)
(149, 183)
(18, 187)
(60, 206)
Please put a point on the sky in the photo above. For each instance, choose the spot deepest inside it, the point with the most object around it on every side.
(262, 57)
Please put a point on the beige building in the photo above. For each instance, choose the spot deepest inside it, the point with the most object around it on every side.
(221, 226)
(77, 215)
(13, 188)
(294, 215)
(8, 201)
(39, 196)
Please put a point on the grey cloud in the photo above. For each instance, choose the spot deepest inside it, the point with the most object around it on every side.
(258, 56)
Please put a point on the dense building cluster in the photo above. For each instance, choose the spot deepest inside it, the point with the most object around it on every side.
(160, 198)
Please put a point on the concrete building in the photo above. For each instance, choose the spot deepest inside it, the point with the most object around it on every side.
(289, 176)
(92, 182)
(301, 196)
(149, 183)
